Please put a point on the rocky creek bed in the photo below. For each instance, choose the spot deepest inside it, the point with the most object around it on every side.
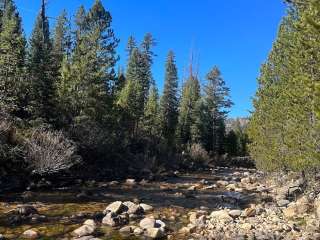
(221, 203)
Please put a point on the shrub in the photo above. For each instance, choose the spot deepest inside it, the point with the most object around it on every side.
(198, 154)
(49, 152)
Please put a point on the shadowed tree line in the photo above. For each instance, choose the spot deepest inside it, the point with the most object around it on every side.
(64, 106)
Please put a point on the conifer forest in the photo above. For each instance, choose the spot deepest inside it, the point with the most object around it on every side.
(91, 148)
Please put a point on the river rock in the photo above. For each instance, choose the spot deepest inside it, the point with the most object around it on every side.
(30, 234)
(146, 207)
(249, 212)
(2, 237)
(221, 215)
(126, 230)
(147, 223)
(90, 223)
(116, 207)
(160, 224)
(84, 230)
(138, 231)
(111, 219)
(133, 208)
(235, 213)
(283, 202)
(154, 233)
(131, 182)
(26, 210)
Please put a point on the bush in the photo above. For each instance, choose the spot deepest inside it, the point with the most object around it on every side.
(49, 152)
(198, 154)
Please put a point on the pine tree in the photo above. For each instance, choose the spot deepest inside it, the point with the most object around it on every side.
(169, 101)
(131, 45)
(147, 57)
(217, 101)
(284, 127)
(189, 99)
(41, 70)
(132, 95)
(13, 84)
(62, 39)
(85, 90)
(151, 121)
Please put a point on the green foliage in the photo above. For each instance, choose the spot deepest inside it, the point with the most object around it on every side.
(13, 84)
(169, 101)
(188, 102)
(210, 114)
(85, 87)
(151, 121)
(284, 128)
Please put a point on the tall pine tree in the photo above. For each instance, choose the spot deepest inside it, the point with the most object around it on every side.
(41, 70)
(14, 87)
(169, 101)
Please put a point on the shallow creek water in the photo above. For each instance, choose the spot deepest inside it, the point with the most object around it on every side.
(65, 211)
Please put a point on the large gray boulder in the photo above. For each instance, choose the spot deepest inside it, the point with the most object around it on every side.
(116, 207)
(147, 223)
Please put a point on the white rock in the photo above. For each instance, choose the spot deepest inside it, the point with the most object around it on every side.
(84, 230)
(116, 207)
(235, 213)
(147, 223)
(154, 233)
(146, 207)
(221, 215)
(30, 234)
(90, 223)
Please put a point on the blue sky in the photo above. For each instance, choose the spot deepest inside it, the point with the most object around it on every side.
(234, 35)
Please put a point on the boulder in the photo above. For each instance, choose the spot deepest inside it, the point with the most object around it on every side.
(133, 208)
(283, 203)
(116, 207)
(147, 223)
(138, 231)
(221, 215)
(126, 230)
(111, 219)
(160, 224)
(84, 230)
(146, 207)
(30, 234)
(131, 182)
(26, 210)
(235, 213)
(90, 223)
(154, 233)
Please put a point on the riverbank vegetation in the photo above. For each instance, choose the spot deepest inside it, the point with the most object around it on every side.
(284, 127)
(67, 105)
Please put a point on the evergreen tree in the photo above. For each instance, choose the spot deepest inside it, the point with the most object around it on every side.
(218, 102)
(41, 70)
(131, 45)
(86, 87)
(169, 101)
(151, 121)
(132, 95)
(147, 57)
(13, 84)
(189, 99)
(62, 39)
(284, 128)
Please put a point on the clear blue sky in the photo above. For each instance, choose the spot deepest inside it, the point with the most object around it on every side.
(235, 35)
